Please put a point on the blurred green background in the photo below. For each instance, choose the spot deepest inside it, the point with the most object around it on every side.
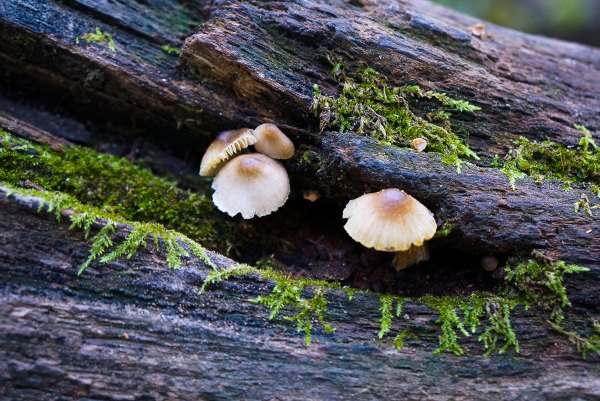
(575, 20)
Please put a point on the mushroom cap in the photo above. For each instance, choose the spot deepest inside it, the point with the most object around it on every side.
(252, 185)
(223, 148)
(389, 220)
(412, 256)
(419, 144)
(272, 142)
(489, 263)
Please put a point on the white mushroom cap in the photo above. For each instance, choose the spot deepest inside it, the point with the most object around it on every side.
(272, 142)
(389, 220)
(252, 185)
(413, 256)
(223, 148)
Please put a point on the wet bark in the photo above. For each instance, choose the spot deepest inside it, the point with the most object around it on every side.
(257, 61)
(135, 330)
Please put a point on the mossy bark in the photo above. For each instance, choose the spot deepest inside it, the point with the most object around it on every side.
(132, 329)
(251, 62)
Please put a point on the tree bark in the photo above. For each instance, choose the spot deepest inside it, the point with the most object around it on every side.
(252, 62)
(134, 330)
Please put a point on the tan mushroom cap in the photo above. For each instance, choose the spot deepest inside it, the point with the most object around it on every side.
(223, 148)
(252, 185)
(389, 220)
(410, 257)
(272, 142)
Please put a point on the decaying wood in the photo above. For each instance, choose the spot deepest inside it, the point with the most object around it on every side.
(257, 61)
(133, 329)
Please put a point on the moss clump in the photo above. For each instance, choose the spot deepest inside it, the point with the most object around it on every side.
(386, 317)
(113, 185)
(368, 105)
(289, 297)
(527, 283)
(102, 38)
(103, 247)
(445, 230)
(171, 50)
(582, 344)
(583, 203)
(549, 160)
(542, 282)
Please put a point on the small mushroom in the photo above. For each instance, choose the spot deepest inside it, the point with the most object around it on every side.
(252, 185)
(223, 148)
(489, 262)
(311, 195)
(272, 142)
(478, 30)
(419, 144)
(389, 220)
(413, 256)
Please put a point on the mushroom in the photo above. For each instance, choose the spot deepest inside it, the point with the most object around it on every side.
(413, 256)
(252, 185)
(311, 195)
(389, 220)
(419, 144)
(272, 142)
(478, 30)
(223, 148)
(489, 262)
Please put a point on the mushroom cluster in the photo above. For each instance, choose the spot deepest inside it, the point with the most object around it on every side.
(252, 184)
(392, 221)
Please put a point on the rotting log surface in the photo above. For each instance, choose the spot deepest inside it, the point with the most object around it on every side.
(91, 337)
(257, 61)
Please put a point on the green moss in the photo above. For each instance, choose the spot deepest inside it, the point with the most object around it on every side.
(103, 247)
(543, 283)
(102, 38)
(289, 297)
(583, 204)
(528, 283)
(549, 160)
(171, 50)
(368, 105)
(113, 185)
(582, 344)
(387, 316)
(445, 230)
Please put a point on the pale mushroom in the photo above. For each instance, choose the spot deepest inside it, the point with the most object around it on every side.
(272, 142)
(223, 148)
(389, 220)
(252, 185)
(419, 144)
(410, 257)
(489, 263)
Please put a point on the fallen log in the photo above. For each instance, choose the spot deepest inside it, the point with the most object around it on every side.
(132, 329)
(521, 87)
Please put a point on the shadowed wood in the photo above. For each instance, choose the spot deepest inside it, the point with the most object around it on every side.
(136, 330)
(93, 336)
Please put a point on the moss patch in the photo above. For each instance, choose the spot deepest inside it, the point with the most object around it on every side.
(369, 105)
(175, 245)
(102, 38)
(549, 160)
(113, 185)
(529, 283)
